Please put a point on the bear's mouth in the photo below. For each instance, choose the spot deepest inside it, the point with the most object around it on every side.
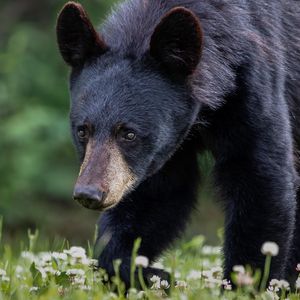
(94, 204)
(90, 204)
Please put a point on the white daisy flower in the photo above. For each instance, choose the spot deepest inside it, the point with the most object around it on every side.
(141, 295)
(155, 278)
(227, 285)
(93, 263)
(181, 284)
(209, 250)
(164, 284)
(33, 289)
(28, 255)
(5, 278)
(75, 272)
(46, 257)
(284, 284)
(212, 283)
(78, 280)
(239, 269)
(19, 269)
(270, 248)
(244, 279)
(59, 256)
(194, 275)
(207, 274)
(142, 261)
(76, 252)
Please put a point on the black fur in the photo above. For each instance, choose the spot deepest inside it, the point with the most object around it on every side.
(240, 102)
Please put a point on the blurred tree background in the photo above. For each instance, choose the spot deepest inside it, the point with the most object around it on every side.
(38, 165)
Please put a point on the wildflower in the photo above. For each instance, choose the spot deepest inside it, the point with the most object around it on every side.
(207, 273)
(85, 261)
(244, 279)
(76, 252)
(212, 283)
(298, 268)
(2, 272)
(142, 261)
(227, 285)
(19, 269)
(164, 284)
(155, 278)
(216, 271)
(156, 282)
(42, 271)
(85, 288)
(206, 263)
(239, 269)
(59, 256)
(132, 291)
(270, 248)
(181, 284)
(78, 280)
(46, 257)
(5, 278)
(93, 263)
(112, 295)
(276, 285)
(49, 270)
(33, 289)
(194, 275)
(61, 291)
(297, 284)
(28, 255)
(273, 289)
(272, 295)
(284, 284)
(141, 295)
(274, 282)
(75, 272)
(209, 250)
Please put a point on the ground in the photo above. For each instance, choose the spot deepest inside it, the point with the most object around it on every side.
(61, 271)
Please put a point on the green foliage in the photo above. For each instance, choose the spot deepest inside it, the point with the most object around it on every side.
(59, 273)
(38, 165)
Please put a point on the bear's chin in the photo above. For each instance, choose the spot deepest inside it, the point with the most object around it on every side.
(95, 205)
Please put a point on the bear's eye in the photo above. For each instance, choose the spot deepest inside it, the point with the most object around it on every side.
(83, 133)
(129, 136)
(125, 133)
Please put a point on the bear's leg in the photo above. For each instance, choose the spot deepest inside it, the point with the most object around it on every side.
(259, 207)
(156, 211)
(256, 177)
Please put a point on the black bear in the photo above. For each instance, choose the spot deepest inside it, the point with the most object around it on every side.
(162, 81)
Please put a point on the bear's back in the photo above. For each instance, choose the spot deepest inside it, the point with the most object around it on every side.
(233, 30)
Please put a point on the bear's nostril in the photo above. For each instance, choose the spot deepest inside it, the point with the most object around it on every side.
(88, 196)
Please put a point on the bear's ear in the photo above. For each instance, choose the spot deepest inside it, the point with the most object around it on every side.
(177, 41)
(76, 37)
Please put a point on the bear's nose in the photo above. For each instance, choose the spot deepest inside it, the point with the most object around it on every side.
(89, 196)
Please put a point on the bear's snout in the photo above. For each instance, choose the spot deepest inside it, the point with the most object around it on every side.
(89, 196)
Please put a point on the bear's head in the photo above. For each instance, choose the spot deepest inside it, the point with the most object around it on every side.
(128, 114)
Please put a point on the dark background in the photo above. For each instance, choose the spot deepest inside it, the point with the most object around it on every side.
(38, 165)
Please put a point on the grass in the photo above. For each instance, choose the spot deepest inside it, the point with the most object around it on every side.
(63, 272)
